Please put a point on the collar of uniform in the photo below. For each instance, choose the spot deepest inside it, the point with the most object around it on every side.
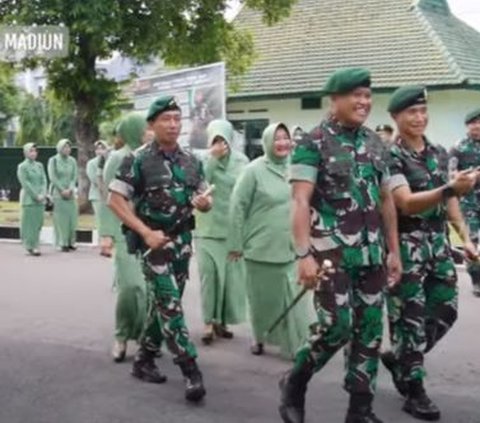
(404, 146)
(336, 128)
(170, 155)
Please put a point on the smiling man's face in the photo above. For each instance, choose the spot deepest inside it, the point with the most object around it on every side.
(353, 108)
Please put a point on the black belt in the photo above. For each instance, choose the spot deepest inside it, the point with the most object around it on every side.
(412, 224)
(177, 228)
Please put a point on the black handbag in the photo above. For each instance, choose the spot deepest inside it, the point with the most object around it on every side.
(48, 204)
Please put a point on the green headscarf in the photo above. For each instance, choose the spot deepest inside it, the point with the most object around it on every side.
(101, 143)
(27, 147)
(131, 128)
(268, 138)
(61, 144)
(220, 128)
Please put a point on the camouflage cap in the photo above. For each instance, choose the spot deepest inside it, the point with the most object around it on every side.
(160, 105)
(346, 80)
(408, 96)
(473, 115)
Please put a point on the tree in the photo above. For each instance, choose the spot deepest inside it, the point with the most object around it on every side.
(32, 120)
(182, 32)
(44, 120)
(8, 97)
(59, 116)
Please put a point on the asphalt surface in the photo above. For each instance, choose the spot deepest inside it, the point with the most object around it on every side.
(56, 318)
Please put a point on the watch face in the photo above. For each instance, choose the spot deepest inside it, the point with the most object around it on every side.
(300, 252)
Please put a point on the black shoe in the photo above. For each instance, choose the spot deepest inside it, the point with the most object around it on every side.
(257, 349)
(362, 415)
(208, 337)
(293, 387)
(476, 290)
(72, 248)
(222, 332)
(119, 351)
(421, 407)
(34, 253)
(194, 389)
(390, 362)
(144, 368)
(65, 249)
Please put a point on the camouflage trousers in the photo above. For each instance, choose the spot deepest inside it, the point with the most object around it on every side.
(472, 218)
(423, 306)
(349, 308)
(166, 273)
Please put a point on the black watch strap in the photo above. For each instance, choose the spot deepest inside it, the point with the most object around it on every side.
(302, 254)
(448, 192)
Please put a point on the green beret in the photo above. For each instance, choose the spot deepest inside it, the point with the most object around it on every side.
(408, 96)
(384, 128)
(344, 81)
(473, 115)
(160, 105)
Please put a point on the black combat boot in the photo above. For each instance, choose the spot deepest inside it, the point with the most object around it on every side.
(476, 290)
(194, 389)
(475, 275)
(391, 363)
(144, 367)
(360, 409)
(293, 387)
(418, 404)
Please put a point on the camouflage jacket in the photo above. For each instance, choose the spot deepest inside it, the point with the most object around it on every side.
(348, 168)
(421, 171)
(465, 155)
(161, 185)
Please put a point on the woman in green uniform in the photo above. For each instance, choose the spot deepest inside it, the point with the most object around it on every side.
(130, 309)
(223, 166)
(261, 233)
(62, 171)
(32, 178)
(94, 194)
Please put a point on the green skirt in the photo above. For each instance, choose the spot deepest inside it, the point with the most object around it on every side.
(31, 223)
(100, 209)
(271, 288)
(222, 283)
(65, 220)
(131, 307)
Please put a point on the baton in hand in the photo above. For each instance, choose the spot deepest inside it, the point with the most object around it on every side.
(328, 268)
(207, 192)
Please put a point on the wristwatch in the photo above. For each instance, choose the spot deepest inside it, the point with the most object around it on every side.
(302, 252)
(448, 192)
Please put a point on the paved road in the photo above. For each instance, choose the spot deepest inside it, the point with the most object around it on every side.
(55, 334)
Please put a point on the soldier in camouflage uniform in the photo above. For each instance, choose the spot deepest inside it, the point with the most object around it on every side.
(165, 183)
(423, 307)
(341, 208)
(466, 155)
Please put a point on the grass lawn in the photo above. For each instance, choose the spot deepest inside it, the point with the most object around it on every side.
(10, 216)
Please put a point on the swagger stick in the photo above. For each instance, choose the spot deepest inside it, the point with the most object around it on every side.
(207, 192)
(327, 266)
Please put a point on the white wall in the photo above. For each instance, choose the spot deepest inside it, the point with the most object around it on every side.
(447, 112)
